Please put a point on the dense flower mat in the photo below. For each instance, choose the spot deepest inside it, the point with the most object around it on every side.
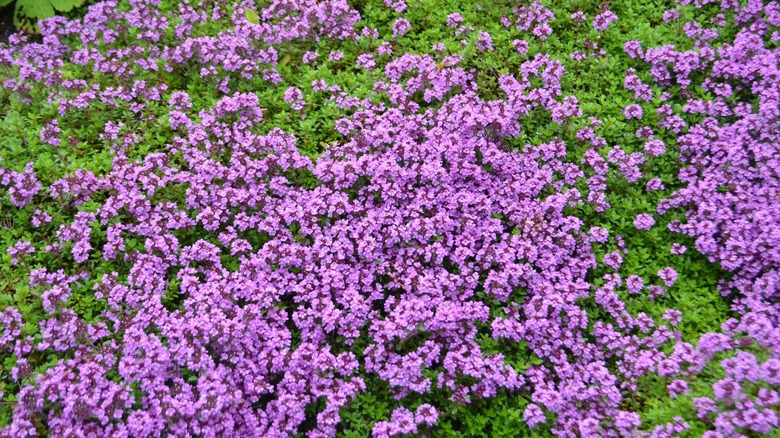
(422, 218)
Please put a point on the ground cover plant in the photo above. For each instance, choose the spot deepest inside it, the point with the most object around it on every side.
(392, 218)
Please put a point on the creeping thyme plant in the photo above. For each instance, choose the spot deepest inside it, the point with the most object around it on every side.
(392, 218)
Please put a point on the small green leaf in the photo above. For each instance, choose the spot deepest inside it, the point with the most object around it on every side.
(285, 60)
(251, 16)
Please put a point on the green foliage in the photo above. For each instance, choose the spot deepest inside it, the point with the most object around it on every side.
(251, 16)
(28, 12)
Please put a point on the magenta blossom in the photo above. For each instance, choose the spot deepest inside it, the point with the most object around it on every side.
(644, 221)
(668, 275)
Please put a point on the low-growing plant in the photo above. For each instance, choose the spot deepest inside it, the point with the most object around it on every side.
(390, 217)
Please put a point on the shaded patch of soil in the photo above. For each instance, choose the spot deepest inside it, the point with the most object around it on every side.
(6, 23)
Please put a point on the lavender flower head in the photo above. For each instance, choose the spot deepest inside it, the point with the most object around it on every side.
(644, 221)
(668, 275)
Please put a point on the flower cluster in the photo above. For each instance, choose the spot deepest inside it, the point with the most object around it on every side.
(603, 20)
(23, 185)
(732, 208)
(417, 215)
(295, 97)
(644, 221)
(243, 302)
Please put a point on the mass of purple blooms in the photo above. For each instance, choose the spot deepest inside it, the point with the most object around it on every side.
(420, 218)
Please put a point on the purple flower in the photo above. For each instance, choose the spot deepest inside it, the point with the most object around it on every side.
(633, 49)
(484, 42)
(19, 250)
(633, 111)
(384, 49)
(635, 284)
(705, 406)
(645, 132)
(677, 387)
(319, 85)
(589, 428)
(770, 371)
(50, 133)
(673, 316)
(668, 275)
(309, 57)
(655, 184)
(727, 389)
(295, 97)
(767, 398)
(655, 291)
(402, 421)
(370, 32)
(613, 260)
(655, 148)
(400, 27)
(598, 234)
(627, 422)
(426, 414)
(671, 15)
(743, 366)
(397, 5)
(366, 61)
(40, 217)
(23, 186)
(644, 221)
(542, 31)
(533, 415)
(454, 19)
(603, 20)
(668, 367)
